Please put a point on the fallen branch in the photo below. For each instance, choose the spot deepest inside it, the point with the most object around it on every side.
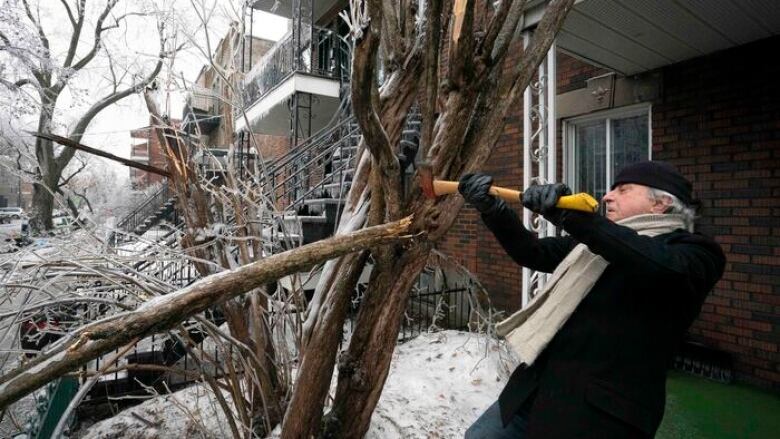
(64, 141)
(165, 312)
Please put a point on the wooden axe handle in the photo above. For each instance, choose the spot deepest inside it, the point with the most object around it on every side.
(580, 201)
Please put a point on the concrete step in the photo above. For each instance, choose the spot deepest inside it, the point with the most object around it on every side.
(348, 173)
(333, 187)
(338, 162)
(323, 201)
(345, 151)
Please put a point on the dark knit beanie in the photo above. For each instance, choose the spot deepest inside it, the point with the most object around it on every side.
(659, 175)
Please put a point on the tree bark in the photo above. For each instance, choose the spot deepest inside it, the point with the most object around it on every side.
(319, 363)
(364, 368)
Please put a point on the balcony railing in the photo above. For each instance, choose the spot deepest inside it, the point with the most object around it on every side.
(326, 54)
(203, 99)
(202, 107)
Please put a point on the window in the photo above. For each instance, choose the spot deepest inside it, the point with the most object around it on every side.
(598, 146)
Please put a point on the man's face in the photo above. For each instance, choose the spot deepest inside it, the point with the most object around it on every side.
(630, 199)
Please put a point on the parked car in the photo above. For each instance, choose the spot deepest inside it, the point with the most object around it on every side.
(12, 212)
(13, 233)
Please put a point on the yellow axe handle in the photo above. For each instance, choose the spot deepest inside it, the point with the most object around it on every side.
(580, 201)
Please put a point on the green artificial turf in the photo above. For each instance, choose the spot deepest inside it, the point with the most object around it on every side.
(700, 408)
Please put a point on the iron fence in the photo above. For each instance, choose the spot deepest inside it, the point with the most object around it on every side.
(426, 311)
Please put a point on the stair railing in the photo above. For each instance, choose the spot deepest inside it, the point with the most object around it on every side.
(305, 166)
(142, 211)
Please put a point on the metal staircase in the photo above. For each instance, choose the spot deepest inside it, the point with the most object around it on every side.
(160, 206)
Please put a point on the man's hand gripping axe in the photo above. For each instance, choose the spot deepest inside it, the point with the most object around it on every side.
(434, 188)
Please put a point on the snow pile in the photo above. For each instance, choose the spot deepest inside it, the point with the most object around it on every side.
(189, 413)
(439, 383)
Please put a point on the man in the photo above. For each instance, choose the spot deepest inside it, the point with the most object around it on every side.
(595, 343)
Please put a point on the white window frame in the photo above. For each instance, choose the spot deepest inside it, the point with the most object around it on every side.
(568, 134)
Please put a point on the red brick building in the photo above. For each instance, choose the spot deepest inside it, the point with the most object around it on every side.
(714, 112)
(146, 148)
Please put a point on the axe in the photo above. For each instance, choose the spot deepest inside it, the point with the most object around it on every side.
(434, 188)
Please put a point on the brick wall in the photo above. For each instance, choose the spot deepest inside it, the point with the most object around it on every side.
(272, 147)
(155, 153)
(719, 122)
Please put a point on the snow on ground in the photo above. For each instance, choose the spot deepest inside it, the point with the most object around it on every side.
(189, 413)
(438, 384)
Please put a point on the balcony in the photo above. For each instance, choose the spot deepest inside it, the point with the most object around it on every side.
(215, 160)
(202, 108)
(317, 63)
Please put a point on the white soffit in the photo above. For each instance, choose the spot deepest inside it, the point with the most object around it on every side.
(632, 36)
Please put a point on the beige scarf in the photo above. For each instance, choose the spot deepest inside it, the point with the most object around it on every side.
(529, 330)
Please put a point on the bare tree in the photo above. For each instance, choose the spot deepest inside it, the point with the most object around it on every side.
(48, 72)
(463, 104)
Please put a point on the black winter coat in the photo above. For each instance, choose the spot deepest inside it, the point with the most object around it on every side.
(604, 372)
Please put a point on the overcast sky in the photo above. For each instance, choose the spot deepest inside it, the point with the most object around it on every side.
(111, 129)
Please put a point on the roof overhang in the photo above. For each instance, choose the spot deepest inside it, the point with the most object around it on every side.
(634, 36)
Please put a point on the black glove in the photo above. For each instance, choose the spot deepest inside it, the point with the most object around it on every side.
(474, 188)
(542, 198)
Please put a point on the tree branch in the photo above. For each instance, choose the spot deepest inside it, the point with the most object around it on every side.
(41, 34)
(77, 28)
(544, 35)
(165, 312)
(70, 12)
(497, 49)
(376, 138)
(64, 141)
(485, 132)
(392, 39)
(431, 76)
(67, 180)
(97, 107)
(98, 35)
(462, 44)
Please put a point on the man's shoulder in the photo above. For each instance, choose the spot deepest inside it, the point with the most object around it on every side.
(685, 237)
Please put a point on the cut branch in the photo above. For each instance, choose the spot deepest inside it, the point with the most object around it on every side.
(165, 312)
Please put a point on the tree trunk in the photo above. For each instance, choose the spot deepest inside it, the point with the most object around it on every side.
(364, 368)
(476, 94)
(48, 172)
(319, 362)
(43, 206)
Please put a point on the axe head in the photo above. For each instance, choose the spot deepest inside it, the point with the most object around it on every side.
(425, 174)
